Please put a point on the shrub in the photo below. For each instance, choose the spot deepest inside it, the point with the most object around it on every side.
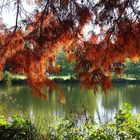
(18, 128)
(125, 126)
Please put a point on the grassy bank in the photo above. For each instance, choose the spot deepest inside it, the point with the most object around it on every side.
(125, 126)
(20, 79)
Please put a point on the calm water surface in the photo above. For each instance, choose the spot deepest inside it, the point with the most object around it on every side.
(101, 107)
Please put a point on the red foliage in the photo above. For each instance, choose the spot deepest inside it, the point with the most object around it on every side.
(32, 52)
(62, 98)
(71, 56)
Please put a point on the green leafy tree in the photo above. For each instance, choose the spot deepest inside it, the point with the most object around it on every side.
(132, 70)
(67, 67)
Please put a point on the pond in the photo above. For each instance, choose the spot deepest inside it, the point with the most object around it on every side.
(102, 107)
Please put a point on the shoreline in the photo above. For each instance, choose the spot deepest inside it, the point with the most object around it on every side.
(72, 81)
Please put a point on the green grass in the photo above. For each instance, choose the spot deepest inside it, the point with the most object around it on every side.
(59, 77)
(18, 77)
(22, 77)
(7, 75)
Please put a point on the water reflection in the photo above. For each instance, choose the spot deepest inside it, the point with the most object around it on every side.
(71, 100)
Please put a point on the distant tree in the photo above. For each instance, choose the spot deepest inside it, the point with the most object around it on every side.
(31, 46)
(67, 68)
(132, 70)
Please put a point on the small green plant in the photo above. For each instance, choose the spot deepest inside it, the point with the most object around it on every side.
(18, 128)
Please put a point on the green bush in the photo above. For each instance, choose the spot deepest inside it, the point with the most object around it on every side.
(18, 128)
(125, 126)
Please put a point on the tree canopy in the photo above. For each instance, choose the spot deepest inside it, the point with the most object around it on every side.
(30, 47)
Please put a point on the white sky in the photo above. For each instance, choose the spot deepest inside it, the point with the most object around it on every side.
(9, 15)
(9, 18)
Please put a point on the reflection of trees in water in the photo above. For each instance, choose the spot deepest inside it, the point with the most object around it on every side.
(76, 101)
(110, 101)
(6, 104)
(79, 100)
(120, 94)
(132, 95)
